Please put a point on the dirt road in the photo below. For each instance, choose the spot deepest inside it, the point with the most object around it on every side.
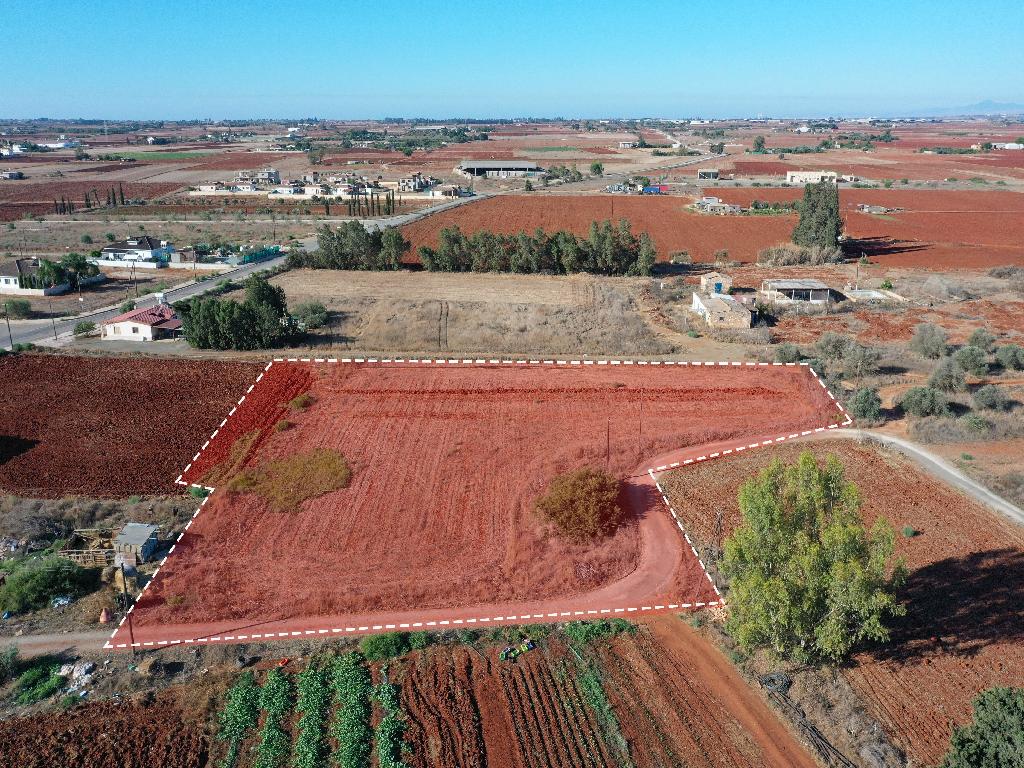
(79, 642)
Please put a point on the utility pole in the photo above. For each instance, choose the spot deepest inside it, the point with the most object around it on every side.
(128, 611)
(608, 445)
(53, 320)
(7, 317)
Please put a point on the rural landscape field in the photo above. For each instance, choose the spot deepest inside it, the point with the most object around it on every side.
(512, 385)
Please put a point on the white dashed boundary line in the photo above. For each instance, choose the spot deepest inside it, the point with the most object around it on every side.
(573, 614)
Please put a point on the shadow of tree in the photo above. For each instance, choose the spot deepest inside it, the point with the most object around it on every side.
(880, 246)
(958, 606)
(11, 446)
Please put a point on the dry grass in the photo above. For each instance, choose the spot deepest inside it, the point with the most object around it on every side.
(286, 483)
(240, 451)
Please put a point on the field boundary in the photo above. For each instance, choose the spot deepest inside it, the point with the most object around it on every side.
(591, 613)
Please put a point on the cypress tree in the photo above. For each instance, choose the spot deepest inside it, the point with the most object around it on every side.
(820, 223)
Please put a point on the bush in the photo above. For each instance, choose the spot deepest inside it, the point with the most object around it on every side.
(582, 632)
(995, 737)
(301, 402)
(311, 315)
(909, 531)
(40, 681)
(983, 339)
(866, 405)
(8, 663)
(582, 504)
(84, 327)
(288, 482)
(972, 360)
(788, 254)
(832, 346)
(126, 306)
(992, 397)
(87, 239)
(929, 341)
(860, 361)
(924, 401)
(975, 423)
(787, 353)
(419, 640)
(387, 645)
(1011, 357)
(19, 309)
(34, 584)
(948, 377)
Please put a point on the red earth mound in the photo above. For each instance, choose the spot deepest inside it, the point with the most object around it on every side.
(438, 522)
(107, 427)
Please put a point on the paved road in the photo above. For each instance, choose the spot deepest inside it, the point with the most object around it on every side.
(940, 468)
(32, 331)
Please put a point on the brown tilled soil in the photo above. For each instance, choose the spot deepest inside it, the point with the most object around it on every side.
(108, 427)
(963, 630)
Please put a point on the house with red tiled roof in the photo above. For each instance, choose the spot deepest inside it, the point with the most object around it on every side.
(145, 324)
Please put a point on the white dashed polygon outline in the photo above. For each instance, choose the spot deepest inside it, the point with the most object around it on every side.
(573, 614)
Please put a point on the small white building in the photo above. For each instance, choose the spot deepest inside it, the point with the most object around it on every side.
(715, 282)
(143, 251)
(707, 174)
(214, 186)
(811, 177)
(19, 278)
(12, 149)
(720, 310)
(627, 145)
(149, 324)
(1008, 145)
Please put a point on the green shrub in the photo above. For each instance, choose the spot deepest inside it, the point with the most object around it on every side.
(40, 681)
(582, 504)
(127, 306)
(909, 532)
(198, 491)
(8, 663)
(948, 376)
(419, 640)
(787, 353)
(387, 645)
(582, 632)
(995, 737)
(1011, 357)
(983, 339)
(19, 309)
(866, 405)
(975, 423)
(929, 341)
(37, 582)
(992, 397)
(311, 314)
(886, 285)
(832, 346)
(924, 401)
(301, 402)
(87, 239)
(972, 360)
(84, 327)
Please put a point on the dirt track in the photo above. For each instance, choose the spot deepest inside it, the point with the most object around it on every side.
(447, 462)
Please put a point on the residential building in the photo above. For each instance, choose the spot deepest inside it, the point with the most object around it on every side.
(148, 324)
(498, 169)
(313, 177)
(811, 177)
(267, 175)
(214, 186)
(715, 205)
(417, 182)
(715, 282)
(720, 310)
(788, 291)
(19, 278)
(146, 251)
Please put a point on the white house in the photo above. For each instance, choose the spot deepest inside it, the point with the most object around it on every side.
(1008, 145)
(17, 278)
(12, 149)
(142, 251)
(267, 175)
(720, 310)
(149, 324)
(811, 177)
(627, 144)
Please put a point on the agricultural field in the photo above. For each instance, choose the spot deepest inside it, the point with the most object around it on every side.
(961, 633)
(673, 227)
(445, 463)
(126, 426)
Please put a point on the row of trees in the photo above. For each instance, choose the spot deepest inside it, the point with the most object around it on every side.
(608, 249)
(260, 321)
(350, 246)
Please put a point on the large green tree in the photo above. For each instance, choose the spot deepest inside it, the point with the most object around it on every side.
(820, 223)
(995, 739)
(806, 580)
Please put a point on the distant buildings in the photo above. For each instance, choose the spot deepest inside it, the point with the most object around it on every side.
(627, 144)
(811, 177)
(715, 282)
(707, 174)
(498, 169)
(715, 206)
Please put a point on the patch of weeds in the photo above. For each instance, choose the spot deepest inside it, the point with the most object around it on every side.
(198, 491)
(583, 632)
(282, 425)
(909, 531)
(302, 402)
(286, 483)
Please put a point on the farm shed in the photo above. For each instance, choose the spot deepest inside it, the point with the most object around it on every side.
(811, 177)
(707, 174)
(137, 539)
(498, 169)
(720, 311)
(792, 291)
(145, 324)
(715, 282)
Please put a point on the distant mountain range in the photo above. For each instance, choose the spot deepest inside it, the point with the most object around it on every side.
(987, 107)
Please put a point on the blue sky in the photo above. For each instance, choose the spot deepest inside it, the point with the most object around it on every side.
(165, 59)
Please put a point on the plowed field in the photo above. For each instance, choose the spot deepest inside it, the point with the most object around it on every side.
(105, 735)
(438, 521)
(107, 427)
(20, 198)
(963, 630)
(666, 219)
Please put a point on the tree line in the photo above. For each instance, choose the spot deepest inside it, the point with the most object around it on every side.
(260, 321)
(350, 246)
(608, 249)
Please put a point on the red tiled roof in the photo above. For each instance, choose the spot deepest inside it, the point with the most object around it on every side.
(157, 315)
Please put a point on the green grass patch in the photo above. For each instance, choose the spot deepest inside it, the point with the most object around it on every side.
(40, 680)
(286, 483)
(34, 582)
(583, 632)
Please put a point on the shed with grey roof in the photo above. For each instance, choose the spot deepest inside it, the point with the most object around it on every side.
(138, 539)
(787, 291)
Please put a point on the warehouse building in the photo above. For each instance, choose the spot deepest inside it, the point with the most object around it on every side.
(498, 169)
(811, 177)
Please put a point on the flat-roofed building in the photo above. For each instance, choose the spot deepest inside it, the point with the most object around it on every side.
(789, 291)
(720, 310)
(811, 177)
(498, 169)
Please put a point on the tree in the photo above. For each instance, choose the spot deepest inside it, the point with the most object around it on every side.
(392, 248)
(995, 736)
(718, 148)
(1011, 357)
(311, 314)
(582, 504)
(528, 187)
(948, 376)
(866, 405)
(806, 579)
(646, 257)
(787, 353)
(929, 341)
(86, 239)
(991, 396)
(597, 168)
(820, 223)
(832, 346)
(972, 360)
(983, 339)
(924, 401)
(860, 361)
(759, 144)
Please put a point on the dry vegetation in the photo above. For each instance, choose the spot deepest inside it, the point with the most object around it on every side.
(286, 483)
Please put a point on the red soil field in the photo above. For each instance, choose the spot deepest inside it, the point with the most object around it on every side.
(665, 218)
(47, 191)
(106, 735)
(962, 633)
(673, 709)
(236, 161)
(107, 427)
(759, 168)
(447, 463)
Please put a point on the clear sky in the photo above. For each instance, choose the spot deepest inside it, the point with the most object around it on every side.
(165, 59)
